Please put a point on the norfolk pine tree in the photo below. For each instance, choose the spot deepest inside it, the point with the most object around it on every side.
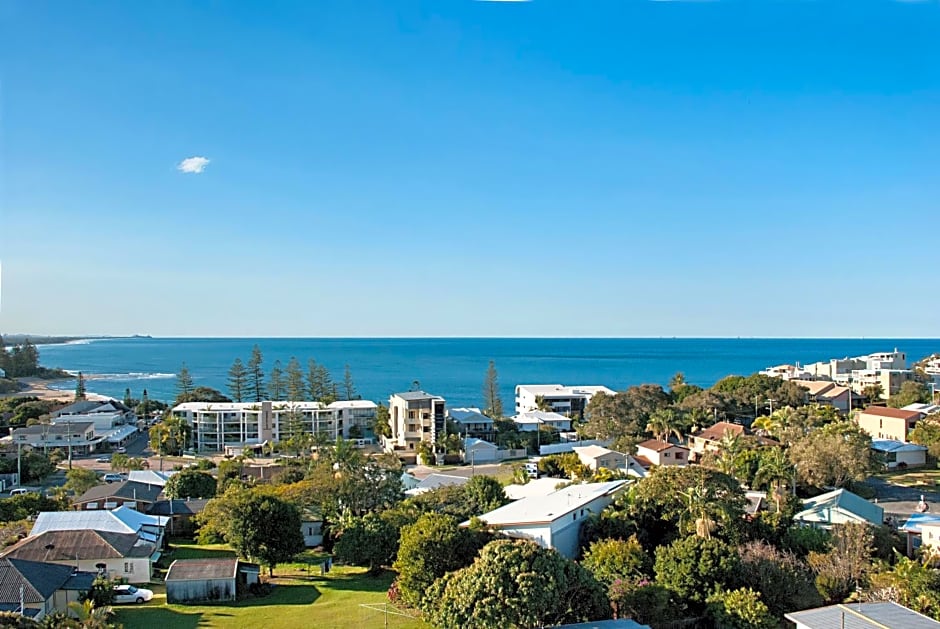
(237, 380)
(80, 387)
(276, 384)
(256, 391)
(349, 388)
(184, 381)
(295, 381)
(492, 403)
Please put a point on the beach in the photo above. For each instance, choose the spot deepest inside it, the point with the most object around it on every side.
(42, 389)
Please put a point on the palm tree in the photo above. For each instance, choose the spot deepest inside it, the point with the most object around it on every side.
(873, 392)
(91, 617)
(775, 470)
(766, 425)
(541, 404)
(664, 423)
(697, 510)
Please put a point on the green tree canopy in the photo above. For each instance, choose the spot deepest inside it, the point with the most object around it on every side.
(237, 380)
(740, 609)
(516, 584)
(202, 394)
(695, 567)
(612, 559)
(492, 402)
(370, 540)
(190, 484)
(833, 456)
(911, 392)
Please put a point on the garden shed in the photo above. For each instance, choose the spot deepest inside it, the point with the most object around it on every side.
(192, 580)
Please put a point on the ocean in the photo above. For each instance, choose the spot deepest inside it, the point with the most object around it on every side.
(451, 367)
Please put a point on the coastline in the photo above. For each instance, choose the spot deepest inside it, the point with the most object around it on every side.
(40, 388)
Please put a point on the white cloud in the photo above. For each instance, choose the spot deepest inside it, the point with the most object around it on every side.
(194, 165)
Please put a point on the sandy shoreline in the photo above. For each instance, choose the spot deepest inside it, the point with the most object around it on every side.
(37, 387)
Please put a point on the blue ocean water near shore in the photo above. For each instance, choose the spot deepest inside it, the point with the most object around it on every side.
(452, 367)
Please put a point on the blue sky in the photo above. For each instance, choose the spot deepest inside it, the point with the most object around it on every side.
(603, 168)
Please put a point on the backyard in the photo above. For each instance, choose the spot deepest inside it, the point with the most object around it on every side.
(301, 597)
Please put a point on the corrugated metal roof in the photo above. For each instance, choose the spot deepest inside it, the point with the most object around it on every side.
(200, 569)
(863, 616)
(844, 500)
(79, 545)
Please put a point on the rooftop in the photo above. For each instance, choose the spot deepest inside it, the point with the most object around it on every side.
(591, 452)
(37, 580)
(862, 616)
(890, 445)
(78, 545)
(414, 396)
(353, 404)
(178, 506)
(539, 417)
(560, 390)
(120, 520)
(658, 446)
(127, 490)
(63, 428)
(201, 569)
(845, 500)
(717, 431)
(894, 413)
(150, 477)
(548, 508)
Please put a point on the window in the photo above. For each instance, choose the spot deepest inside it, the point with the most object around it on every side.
(665, 455)
(129, 567)
(678, 456)
(574, 516)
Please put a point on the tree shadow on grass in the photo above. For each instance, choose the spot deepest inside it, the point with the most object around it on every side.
(284, 594)
(359, 582)
(158, 617)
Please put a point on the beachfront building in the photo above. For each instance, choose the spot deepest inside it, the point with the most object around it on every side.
(566, 400)
(79, 436)
(881, 422)
(415, 416)
(223, 426)
(471, 422)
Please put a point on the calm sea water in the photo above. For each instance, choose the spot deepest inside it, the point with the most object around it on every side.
(453, 368)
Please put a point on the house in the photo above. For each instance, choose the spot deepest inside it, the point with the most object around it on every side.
(38, 589)
(637, 469)
(479, 451)
(897, 454)
(130, 494)
(215, 580)
(115, 424)
(179, 513)
(471, 422)
(415, 416)
(435, 481)
(656, 452)
(567, 400)
(914, 529)
(861, 616)
(923, 409)
(311, 527)
(838, 507)
(535, 487)
(881, 422)
(930, 536)
(554, 520)
(532, 420)
(709, 439)
(149, 528)
(117, 555)
(79, 436)
(597, 457)
(829, 393)
(150, 477)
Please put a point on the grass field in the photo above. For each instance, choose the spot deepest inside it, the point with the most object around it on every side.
(921, 477)
(301, 598)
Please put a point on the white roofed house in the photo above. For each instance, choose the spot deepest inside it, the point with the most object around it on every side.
(553, 520)
(598, 457)
(567, 400)
(121, 520)
(532, 420)
(471, 422)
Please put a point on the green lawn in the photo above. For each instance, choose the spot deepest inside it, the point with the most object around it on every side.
(301, 598)
(920, 477)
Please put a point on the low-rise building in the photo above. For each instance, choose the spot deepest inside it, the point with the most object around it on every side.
(435, 481)
(213, 580)
(149, 528)
(129, 494)
(479, 451)
(914, 529)
(471, 422)
(533, 420)
(709, 439)
(897, 454)
(415, 416)
(656, 452)
(567, 400)
(598, 457)
(117, 555)
(881, 422)
(830, 394)
(180, 513)
(38, 589)
(79, 436)
(839, 507)
(553, 520)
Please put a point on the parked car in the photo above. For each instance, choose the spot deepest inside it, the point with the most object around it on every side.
(103, 459)
(19, 491)
(113, 478)
(131, 594)
(121, 450)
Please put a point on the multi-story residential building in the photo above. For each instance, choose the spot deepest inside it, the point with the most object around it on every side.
(787, 372)
(887, 423)
(890, 380)
(831, 394)
(415, 416)
(79, 436)
(533, 420)
(472, 422)
(567, 400)
(220, 425)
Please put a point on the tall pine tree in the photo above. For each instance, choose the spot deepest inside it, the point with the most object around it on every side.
(256, 390)
(276, 385)
(349, 388)
(295, 381)
(80, 387)
(184, 381)
(492, 402)
(237, 380)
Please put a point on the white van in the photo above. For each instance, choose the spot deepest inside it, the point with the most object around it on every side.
(19, 491)
(532, 467)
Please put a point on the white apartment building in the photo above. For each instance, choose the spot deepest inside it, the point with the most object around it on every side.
(567, 400)
(415, 416)
(220, 425)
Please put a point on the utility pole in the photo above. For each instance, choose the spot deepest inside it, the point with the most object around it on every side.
(68, 423)
(771, 402)
(19, 463)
